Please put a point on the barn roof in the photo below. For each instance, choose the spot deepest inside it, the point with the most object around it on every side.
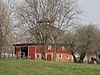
(26, 44)
(64, 51)
(47, 51)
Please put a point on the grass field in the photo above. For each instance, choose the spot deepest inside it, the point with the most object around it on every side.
(29, 67)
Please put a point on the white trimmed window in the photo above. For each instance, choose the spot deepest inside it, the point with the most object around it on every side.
(37, 56)
(49, 47)
(63, 48)
(60, 56)
(67, 56)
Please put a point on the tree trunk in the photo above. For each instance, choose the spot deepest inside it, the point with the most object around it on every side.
(8, 54)
(12, 55)
(54, 55)
(88, 60)
(0, 52)
(4, 55)
(82, 56)
(98, 58)
(43, 53)
(75, 60)
(55, 49)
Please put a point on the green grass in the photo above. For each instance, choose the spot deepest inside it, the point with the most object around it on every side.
(29, 67)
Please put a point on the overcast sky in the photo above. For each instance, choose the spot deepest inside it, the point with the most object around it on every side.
(90, 11)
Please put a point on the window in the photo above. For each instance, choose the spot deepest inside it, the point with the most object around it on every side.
(37, 55)
(60, 56)
(67, 56)
(49, 47)
(63, 48)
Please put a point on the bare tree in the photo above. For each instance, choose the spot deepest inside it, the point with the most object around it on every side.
(87, 41)
(47, 19)
(83, 39)
(6, 26)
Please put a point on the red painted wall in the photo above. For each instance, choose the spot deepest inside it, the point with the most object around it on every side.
(31, 53)
(65, 57)
(48, 53)
(18, 53)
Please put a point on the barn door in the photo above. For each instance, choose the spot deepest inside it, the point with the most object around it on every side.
(49, 57)
(17, 53)
(24, 52)
(32, 53)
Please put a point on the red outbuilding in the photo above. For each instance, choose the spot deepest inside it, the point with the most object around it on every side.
(64, 55)
(35, 51)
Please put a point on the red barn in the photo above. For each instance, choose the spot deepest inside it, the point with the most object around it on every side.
(28, 51)
(34, 52)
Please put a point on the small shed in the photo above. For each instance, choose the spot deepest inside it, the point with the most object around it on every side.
(35, 52)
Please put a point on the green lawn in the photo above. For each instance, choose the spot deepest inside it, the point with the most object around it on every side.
(29, 67)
